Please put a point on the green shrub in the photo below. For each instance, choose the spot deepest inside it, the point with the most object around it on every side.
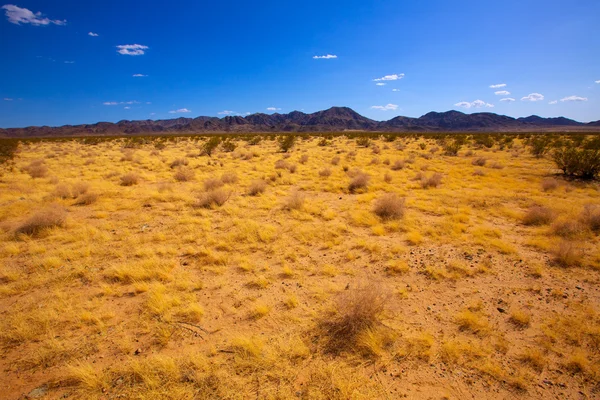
(581, 163)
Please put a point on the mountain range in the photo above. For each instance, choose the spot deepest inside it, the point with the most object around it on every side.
(330, 120)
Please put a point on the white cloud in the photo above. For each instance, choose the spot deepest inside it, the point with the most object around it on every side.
(226, 112)
(116, 103)
(475, 104)
(395, 90)
(18, 15)
(387, 107)
(93, 34)
(127, 108)
(498, 85)
(380, 84)
(131, 49)
(152, 113)
(69, 62)
(8, 99)
(533, 97)
(507, 99)
(139, 75)
(553, 102)
(502, 93)
(574, 98)
(181, 110)
(273, 109)
(393, 77)
(597, 81)
(325, 57)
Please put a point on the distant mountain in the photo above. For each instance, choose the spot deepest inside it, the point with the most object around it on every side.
(330, 120)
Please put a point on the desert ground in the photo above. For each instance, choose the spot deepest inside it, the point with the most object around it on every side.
(347, 267)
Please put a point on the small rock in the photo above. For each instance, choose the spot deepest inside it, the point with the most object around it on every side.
(501, 310)
(38, 392)
(137, 351)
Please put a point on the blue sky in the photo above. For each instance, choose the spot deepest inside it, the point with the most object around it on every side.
(220, 58)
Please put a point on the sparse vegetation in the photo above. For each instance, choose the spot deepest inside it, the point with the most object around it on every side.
(389, 206)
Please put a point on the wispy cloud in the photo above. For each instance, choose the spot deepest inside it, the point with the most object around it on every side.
(498, 85)
(69, 62)
(574, 98)
(598, 81)
(553, 102)
(127, 108)
(8, 99)
(474, 104)
(132, 49)
(273, 109)
(393, 77)
(226, 112)
(139, 75)
(93, 34)
(18, 16)
(179, 111)
(380, 84)
(325, 57)
(502, 93)
(533, 97)
(395, 90)
(387, 107)
(116, 103)
(508, 99)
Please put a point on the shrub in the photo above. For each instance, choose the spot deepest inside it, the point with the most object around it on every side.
(211, 145)
(53, 216)
(389, 206)
(387, 178)
(323, 142)
(567, 228)
(325, 172)
(130, 179)
(335, 160)
(480, 161)
(184, 174)
(303, 159)
(363, 141)
(215, 197)
(281, 164)
(86, 199)
(80, 188)
(228, 146)
(294, 202)
(286, 142)
(538, 215)
(398, 165)
(292, 168)
(590, 217)
(539, 145)
(433, 181)
(451, 149)
(229, 178)
(37, 169)
(567, 254)
(357, 311)
(581, 163)
(478, 172)
(180, 162)
(212, 183)
(62, 191)
(549, 184)
(257, 187)
(360, 181)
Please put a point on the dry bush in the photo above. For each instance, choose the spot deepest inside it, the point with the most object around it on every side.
(387, 178)
(389, 206)
(281, 164)
(303, 159)
(567, 228)
(335, 160)
(180, 162)
(590, 217)
(212, 183)
(294, 202)
(549, 184)
(80, 188)
(86, 199)
(212, 198)
(184, 174)
(62, 191)
(130, 179)
(497, 165)
(357, 311)
(538, 215)
(480, 161)
(433, 181)
(478, 172)
(50, 217)
(568, 254)
(398, 165)
(229, 178)
(325, 172)
(128, 156)
(37, 169)
(292, 168)
(257, 187)
(360, 181)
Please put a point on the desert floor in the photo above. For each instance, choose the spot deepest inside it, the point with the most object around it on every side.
(122, 277)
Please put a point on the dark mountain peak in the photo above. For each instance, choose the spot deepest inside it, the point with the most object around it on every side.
(557, 121)
(445, 114)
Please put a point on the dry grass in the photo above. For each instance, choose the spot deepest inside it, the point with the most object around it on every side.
(568, 254)
(479, 161)
(432, 181)
(180, 162)
(86, 199)
(390, 206)
(295, 201)
(590, 217)
(37, 169)
(184, 174)
(398, 165)
(50, 217)
(213, 183)
(213, 198)
(549, 184)
(325, 172)
(359, 182)
(257, 187)
(229, 178)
